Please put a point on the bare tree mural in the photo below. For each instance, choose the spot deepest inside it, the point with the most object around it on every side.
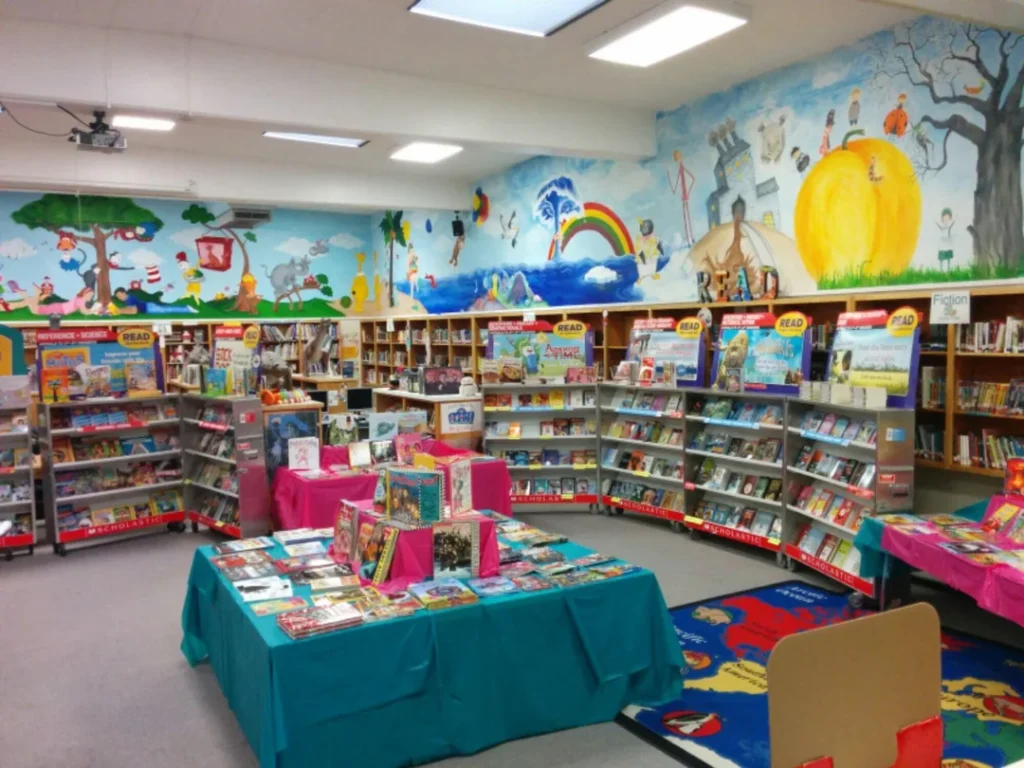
(976, 83)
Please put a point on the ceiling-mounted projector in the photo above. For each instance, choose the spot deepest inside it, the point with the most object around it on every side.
(100, 136)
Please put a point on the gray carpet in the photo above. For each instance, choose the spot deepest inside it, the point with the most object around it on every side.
(92, 676)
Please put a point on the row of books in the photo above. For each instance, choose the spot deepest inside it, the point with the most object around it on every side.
(758, 522)
(549, 457)
(12, 422)
(10, 492)
(991, 396)
(641, 493)
(217, 444)
(541, 485)
(64, 383)
(829, 506)
(85, 481)
(727, 409)
(647, 400)
(646, 432)
(929, 442)
(112, 415)
(638, 461)
(218, 475)
(766, 449)
(828, 547)
(15, 457)
(992, 336)
(510, 370)
(16, 525)
(988, 450)
(220, 509)
(547, 428)
(73, 516)
(840, 427)
(874, 398)
(859, 474)
(933, 387)
(821, 337)
(66, 450)
(215, 414)
(272, 333)
(721, 478)
(552, 398)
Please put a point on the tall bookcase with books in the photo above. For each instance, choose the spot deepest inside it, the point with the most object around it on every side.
(111, 467)
(547, 435)
(843, 463)
(17, 489)
(226, 486)
(282, 338)
(642, 439)
(734, 476)
(181, 342)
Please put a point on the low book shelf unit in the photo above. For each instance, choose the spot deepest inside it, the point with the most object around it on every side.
(17, 488)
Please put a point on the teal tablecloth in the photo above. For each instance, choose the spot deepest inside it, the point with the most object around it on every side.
(435, 684)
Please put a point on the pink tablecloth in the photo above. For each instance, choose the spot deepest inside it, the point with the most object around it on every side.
(301, 502)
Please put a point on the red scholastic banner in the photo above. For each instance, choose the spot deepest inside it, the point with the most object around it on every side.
(749, 320)
(517, 326)
(874, 318)
(654, 324)
(75, 336)
(228, 332)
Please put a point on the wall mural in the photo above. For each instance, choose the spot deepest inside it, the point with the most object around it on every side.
(84, 257)
(895, 161)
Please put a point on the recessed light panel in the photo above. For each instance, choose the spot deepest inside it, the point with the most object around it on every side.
(316, 138)
(537, 18)
(666, 35)
(143, 123)
(425, 152)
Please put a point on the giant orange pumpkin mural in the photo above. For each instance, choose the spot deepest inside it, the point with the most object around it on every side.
(859, 211)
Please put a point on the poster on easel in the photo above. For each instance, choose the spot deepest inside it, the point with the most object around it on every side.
(91, 363)
(878, 349)
(546, 350)
(677, 349)
(237, 349)
(757, 352)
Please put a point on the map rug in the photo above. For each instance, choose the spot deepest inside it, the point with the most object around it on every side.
(720, 719)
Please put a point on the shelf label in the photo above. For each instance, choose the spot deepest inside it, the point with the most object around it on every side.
(616, 500)
(567, 497)
(824, 438)
(642, 473)
(691, 520)
(732, 423)
(688, 486)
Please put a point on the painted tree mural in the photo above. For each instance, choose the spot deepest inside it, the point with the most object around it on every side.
(391, 226)
(101, 218)
(246, 300)
(556, 203)
(976, 82)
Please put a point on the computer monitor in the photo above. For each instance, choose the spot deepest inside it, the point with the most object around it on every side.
(360, 399)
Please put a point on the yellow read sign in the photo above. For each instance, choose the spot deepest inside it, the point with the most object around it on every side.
(902, 322)
(791, 324)
(690, 328)
(570, 329)
(251, 337)
(136, 338)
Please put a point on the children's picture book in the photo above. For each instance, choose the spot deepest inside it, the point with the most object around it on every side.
(407, 445)
(346, 527)
(244, 545)
(274, 607)
(457, 549)
(266, 588)
(304, 454)
(529, 582)
(493, 586)
(461, 474)
(305, 548)
(415, 495)
(387, 555)
(443, 593)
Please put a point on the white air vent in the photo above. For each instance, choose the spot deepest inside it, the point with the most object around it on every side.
(243, 218)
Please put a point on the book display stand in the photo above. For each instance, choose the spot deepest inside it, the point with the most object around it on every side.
(111, 467)
(843, 463)
(547, 435)
(226, 486)
(17, 489)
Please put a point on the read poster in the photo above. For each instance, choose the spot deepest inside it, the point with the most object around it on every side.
(545, 350)
(236, 347)
(667, 341)
(876, 349)
(758, 353)
(82, 363)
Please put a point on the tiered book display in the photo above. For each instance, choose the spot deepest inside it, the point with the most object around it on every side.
(642, 438)
(113, 467)
(547, 435)
(17, 490)
(734, 469)
(225, 465)
(843, 463)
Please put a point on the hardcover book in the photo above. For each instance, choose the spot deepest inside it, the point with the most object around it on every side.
(272, 607)
(457, 549)
(416, 495)
(493, 586)
(443, 593)
(266, 588)
(314, 621)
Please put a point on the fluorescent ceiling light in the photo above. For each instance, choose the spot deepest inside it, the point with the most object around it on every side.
(315, 138)
(537, 18)
(144, 123)
(651, 40)
(425, 152)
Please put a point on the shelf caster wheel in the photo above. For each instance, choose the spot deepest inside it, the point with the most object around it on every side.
(595, 510)
(177, 527)
(618, 510)
(8, 555)
(195, 527)
(781, 560)
(60, 549)
(677, 527)
(31, 549)
(792, 565)
(695, 534)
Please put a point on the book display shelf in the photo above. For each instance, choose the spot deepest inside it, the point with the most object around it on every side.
(734, 476)
(17, 489)
(111, 467)
(547, 436)
(641, 451)
(843, 463)
(226, 487)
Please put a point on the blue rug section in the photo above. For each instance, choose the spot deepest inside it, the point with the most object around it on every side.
(720, 719)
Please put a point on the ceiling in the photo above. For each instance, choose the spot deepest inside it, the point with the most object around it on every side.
(228, 70)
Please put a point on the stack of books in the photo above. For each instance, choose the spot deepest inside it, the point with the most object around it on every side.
(307, 622)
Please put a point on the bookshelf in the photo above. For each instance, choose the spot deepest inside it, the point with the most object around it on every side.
(111, 468)
(547, 435)
(226, 488)
(282, 338)
(17, 486)
(182, 341)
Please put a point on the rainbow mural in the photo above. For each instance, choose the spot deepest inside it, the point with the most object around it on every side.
(601, 219)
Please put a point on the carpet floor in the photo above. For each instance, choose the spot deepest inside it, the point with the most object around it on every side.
(92, 676)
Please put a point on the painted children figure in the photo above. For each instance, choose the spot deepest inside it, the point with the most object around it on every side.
(945, 224)
(413, 271)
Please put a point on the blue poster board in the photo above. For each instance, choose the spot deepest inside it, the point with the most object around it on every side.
(758, 352)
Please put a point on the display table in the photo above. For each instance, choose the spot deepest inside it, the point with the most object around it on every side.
(303, 502)
(450, 682)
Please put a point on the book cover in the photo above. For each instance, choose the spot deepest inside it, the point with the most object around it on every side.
(257, 570)
(387, 556)
(305, 548)
(359, 454)
(54, 385)
(762, 523)
(415, 495)
(273, 607)
(317, 620)
(493, 586)
(457, 549)
(303, 563)
(240, 559)
(443, 593)
(266, 588)
(531, 583)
